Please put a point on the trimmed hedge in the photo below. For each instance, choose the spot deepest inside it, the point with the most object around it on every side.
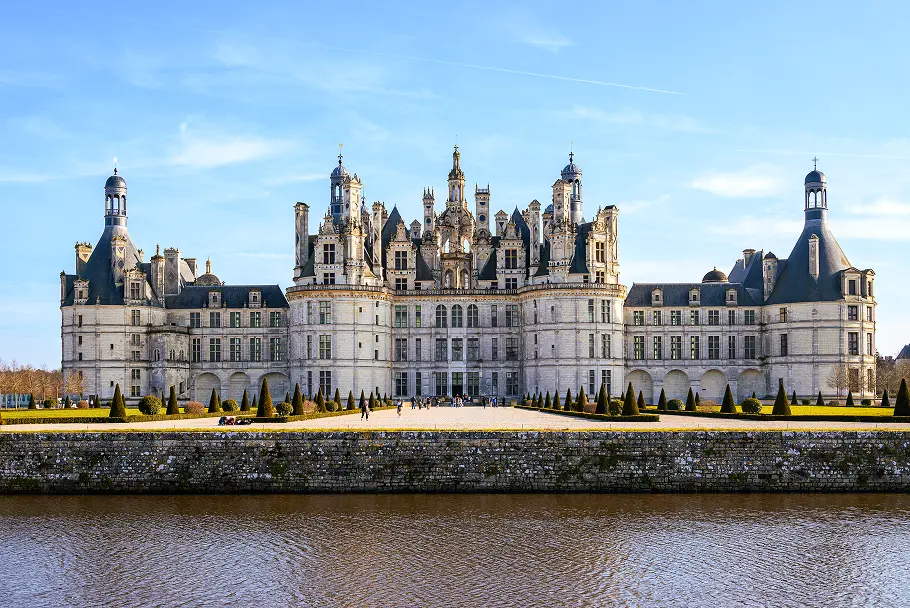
(312, 415)
(107, 419)
(603, 417)
(150, 405)
(795, 417)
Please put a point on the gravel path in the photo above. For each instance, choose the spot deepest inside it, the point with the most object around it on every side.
(468, 418)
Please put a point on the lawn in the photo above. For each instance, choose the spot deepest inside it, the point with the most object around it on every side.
(832, 410)
(63, 413)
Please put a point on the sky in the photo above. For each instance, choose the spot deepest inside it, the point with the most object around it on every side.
(699, 120)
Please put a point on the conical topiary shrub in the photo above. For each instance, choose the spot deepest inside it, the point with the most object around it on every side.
(781, 405)
(662, 401)
(793, 399)
(172, 406)
(728, 406)
(214, 402)
(337, 397)
(320, 401)
(287, 397)
(601, 400)
(820, 400)
(556, 404)
(697, 399)
(351, 403)
(629, 406)
(850, 402)
(753, 395)
(548, 402)
(31, 401)
(886, 401)
(641, 401)
(362, 403)
(902, 403)
(245, 402)
(118, 405)
(582, 400)
(67, 403)
(297, 401)
(567, 402)
(690, 401)
(266, 408)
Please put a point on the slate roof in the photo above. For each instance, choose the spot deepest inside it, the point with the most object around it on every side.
(905, 353)
(233, 296)
(580, 259)
(794, 284)
(677, 294)
(543, 268)
(101, 287)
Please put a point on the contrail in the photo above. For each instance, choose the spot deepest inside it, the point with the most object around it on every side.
(471, 66)
(842, 154)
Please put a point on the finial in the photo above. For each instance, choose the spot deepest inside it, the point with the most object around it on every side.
(815, 163)
(208, 266)
(115, 165)
(340, 147)
(571, 153)
(157, 249)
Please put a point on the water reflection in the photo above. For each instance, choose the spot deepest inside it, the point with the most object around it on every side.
(455, 550)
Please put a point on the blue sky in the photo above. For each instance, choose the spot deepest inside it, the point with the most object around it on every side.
(222, 117)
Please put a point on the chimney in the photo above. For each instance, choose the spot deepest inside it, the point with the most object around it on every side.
(769, 273)
(747, 257)
(172, 282)
(157, 264)
(415, 229)
(813, 256)
(83, 253)
(191, 262)
(302, 217)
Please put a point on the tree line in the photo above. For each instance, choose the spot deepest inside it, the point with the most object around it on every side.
(17, 381)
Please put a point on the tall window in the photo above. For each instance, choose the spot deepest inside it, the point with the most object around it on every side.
(401, 260)
(694, 348)
(658, 348)
(511, 348)
(328, 278)
(604, 312)
(328, 253)
(195, 319)
(655, 317)
(605, 346)
(869, 313)
(235, 349)
(134, 290)
(325, 312)
(325, 382)
(749, 317)
(418, 384)
(473, 385)
(714, 347)
(136, 318)
(731, 317)
(494, 320)
(473, 349)
(275, 319)
(255, 349)
(783, 315)
(401, 284)
(418, 320)
(494, 349)
(440, 353)
(255, 319)
(638, 348)
(457, 349)
(731, 347)
(473, 316)
(401, 315)
(401, 382)
(512, 315)
(511, 283)
(400, 351)
(511, 259)
(511, 383)
(784, 346)
(713, 317)
(215, 349)
(441, 316)
(600, 252)
(851, 287)
(676, 347)
(590, 346)
(853, 313)
(418, 349)
(325, 347)
(675, 317)
(457, 316)
(638, 317)
(869, 350)
(275, 349)
(494, 382)
(749, 347)
(693, 317)
(590, 311)
(234, 319)
(214, 319)
(592, 378)
(441, 379)
(853, 343)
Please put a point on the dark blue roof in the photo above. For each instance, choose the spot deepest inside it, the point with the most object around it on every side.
(233, 296)
(677, 294)
(794, 284)
(101, 287)
(580, 259)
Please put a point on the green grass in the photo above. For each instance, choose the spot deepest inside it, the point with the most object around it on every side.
(61, 413)
(831, 410)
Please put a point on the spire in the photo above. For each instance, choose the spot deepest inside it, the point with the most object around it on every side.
(208, 266)
(340, 147)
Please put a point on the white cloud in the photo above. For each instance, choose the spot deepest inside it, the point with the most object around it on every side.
(521, 28)
(757, 227)
(757, 181)
(11, 176)
(883, 207)
(637, 206)
(215, 149)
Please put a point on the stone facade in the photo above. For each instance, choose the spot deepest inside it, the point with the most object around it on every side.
(450, 461)
(451, 304)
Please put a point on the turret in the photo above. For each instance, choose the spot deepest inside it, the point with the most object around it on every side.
(157, 264)
(571, 174)
(501, 219)
(456, 181)
(337, 185)
(816, 195)
(429, 215)
(378, 209)
(352, 190)
(562, 191)
(115, 201)
(769, 273)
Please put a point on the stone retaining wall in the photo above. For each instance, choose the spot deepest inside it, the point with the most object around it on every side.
(453, 461)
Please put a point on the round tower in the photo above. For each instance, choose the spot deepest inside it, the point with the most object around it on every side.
(572, 173)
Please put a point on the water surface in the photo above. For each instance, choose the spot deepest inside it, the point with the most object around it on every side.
(455, 550)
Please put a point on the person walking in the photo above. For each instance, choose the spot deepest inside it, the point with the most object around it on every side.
(364, 409)
(398, 404)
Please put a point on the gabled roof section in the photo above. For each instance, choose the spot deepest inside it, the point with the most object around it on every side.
(309, 269)
(522, 228)
(677, 294)
(795, 284)
(101, 287)
(488, 272)
(905, 353)
(543, 269)
(232, 296)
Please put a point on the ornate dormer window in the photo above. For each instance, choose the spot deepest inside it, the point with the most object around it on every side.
(731, 297)
(255, 298)
(214, 299)
(694, 296)
(80, 287)
(657, 297)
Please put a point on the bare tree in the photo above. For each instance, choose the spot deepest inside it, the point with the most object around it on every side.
(839, 377)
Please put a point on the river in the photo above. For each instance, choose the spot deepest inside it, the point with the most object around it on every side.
(455, 550)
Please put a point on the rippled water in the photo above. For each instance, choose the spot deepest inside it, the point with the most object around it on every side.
(456, 550)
